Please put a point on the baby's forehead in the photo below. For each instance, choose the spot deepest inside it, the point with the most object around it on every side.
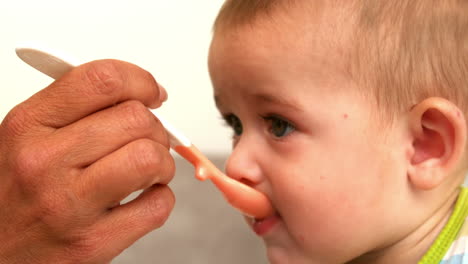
(284, 36)
(311, 15)
(299, 24)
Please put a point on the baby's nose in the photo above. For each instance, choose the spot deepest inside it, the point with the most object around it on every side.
(243, 165)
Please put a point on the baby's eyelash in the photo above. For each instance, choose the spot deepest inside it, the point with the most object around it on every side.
(226, 119)
(270, 117)
(234, 123)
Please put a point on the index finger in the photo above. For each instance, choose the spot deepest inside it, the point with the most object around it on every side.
(89, 88)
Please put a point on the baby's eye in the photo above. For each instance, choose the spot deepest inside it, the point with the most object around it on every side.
(235, 123)
(278, 126)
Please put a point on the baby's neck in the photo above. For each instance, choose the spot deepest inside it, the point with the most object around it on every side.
(413, 247)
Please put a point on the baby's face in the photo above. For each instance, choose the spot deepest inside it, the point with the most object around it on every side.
(305, 137)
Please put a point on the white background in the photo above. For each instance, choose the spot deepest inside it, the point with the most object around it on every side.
(168, 38)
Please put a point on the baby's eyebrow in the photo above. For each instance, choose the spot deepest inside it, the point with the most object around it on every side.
(272, 99)
(267, 98)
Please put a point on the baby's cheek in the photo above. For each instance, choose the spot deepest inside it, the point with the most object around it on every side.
(323, 221)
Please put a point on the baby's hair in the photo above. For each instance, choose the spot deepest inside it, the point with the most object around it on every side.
(402, 50)
(408, 50)
(237, 12)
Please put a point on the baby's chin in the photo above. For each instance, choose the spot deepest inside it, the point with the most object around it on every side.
(284, 252)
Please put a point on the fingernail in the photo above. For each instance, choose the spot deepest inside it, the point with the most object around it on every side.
(162, 94)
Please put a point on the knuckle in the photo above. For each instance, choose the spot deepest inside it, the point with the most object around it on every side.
(105, 77)
(136, 118)
(15, 121)
(147, 158)
(160, 209)
(136, 115)
(30, 162)
(148, 78)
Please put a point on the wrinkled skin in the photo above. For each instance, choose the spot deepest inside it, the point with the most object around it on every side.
(70, 154)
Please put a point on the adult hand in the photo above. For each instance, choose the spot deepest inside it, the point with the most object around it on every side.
(70, 154)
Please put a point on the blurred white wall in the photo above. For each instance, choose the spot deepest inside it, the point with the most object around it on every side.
(168, 38)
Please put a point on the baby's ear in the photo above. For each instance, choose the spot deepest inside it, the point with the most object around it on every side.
(438, 132)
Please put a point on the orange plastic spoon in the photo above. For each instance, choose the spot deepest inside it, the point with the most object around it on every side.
(246, 199)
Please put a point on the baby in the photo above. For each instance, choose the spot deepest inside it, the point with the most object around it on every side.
(350, 117)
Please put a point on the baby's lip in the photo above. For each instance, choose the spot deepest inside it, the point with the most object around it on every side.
(263, 226)
(274, 214)
(252, 219)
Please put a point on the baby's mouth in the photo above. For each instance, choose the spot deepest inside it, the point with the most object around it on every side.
(263, 226)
